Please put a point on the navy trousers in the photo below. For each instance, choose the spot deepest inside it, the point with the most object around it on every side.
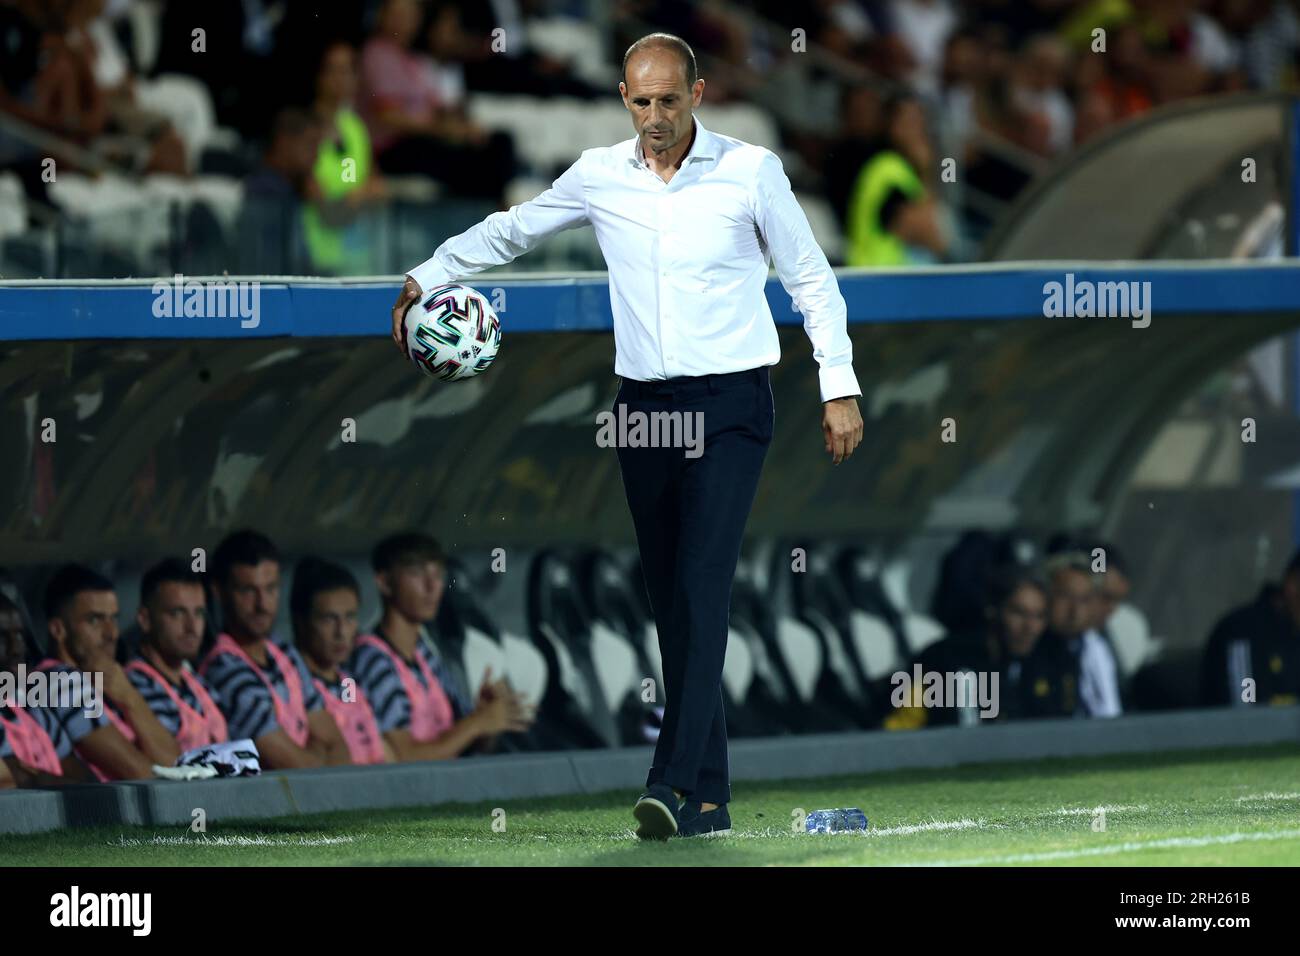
(690, 514)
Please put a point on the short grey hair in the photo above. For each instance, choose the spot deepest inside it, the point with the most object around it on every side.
(1072, 561)
(665, 41)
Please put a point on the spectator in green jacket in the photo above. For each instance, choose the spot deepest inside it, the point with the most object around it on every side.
(344, 180)
(893, 218)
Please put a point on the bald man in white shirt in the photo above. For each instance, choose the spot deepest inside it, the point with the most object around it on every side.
(687, 220)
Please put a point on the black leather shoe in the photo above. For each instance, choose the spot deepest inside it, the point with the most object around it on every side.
(692, 821)
(656, 812)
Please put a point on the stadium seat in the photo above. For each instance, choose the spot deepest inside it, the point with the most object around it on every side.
(788, 661)
(921, 631)
(861, 575)
(549, 134)
(13, 206)
(561, 136)
(481, 653)
(510, 114)
(805, 643)
(134, 217)
(800, 646)
(413, 189)
(825, 226)
(616, 666)
(737, 667)
(524, 667)
(650, 647)
(619, 613)
(570, 681)
(610, 124)
(895, 575)
(209, 206)
(488, 606)
(1131, 637)
(577, 41)
(744, 121)
(111, 209)
(472, 642)
(146, 32)
(186, 102)
(875, 643)
(576, 706)
(818, 599)
(521, 189)
(838, 688)
(769, 706)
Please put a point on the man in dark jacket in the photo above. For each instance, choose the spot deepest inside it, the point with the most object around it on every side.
(1253, 654)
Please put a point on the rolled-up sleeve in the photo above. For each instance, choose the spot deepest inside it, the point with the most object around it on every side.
(807, 277)
(505, 236)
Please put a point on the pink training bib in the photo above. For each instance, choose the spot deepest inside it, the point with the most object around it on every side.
(431, 712)
(125, 729)
(357, 724)
(290, 714)
(31, 744)
(198, 727)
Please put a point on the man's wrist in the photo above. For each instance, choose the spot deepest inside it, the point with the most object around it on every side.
(838, 381)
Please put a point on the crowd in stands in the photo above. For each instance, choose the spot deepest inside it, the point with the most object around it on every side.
(871, 96)
(203, 663)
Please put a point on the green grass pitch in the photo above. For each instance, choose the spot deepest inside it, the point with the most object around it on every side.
(1201, 808)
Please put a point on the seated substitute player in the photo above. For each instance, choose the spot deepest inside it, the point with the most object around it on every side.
(1253, 653)
(36, 748)
(1073, 598)
(264, 689)
(172, 615)
(1039, 678)
(1035, 679)
(81, 619)
(422, 711)
(324, 605)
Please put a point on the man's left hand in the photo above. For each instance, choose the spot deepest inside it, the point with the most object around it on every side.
(842, 427)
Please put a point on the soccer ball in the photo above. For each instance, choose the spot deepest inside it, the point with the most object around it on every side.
(453, 333)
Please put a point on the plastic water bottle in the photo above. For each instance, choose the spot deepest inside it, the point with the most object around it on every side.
(850, 820)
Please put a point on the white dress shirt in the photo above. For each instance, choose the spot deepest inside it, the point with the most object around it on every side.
(687, 259)
(1098, 677)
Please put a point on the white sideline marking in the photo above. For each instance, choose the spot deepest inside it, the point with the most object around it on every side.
(1115, 848)
(232, 841)
(910, 828)
(1270, 795)
(767, 833)
(1087, 811)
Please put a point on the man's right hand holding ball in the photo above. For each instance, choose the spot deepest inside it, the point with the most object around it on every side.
(409, 295)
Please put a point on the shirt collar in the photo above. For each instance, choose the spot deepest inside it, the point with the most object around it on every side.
(704, 147)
